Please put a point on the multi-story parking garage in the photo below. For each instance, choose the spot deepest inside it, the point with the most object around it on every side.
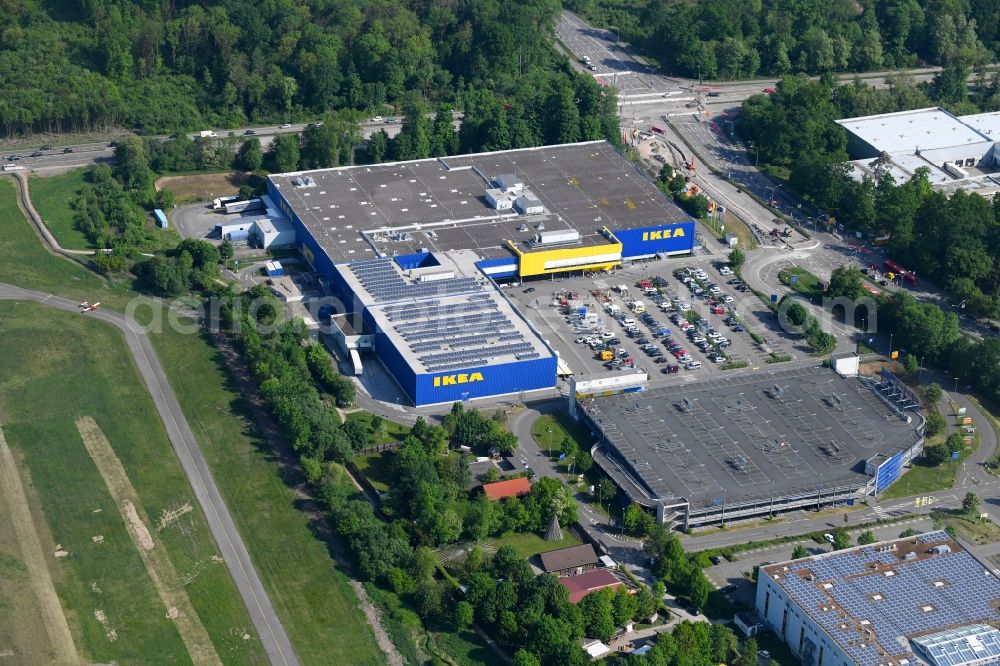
(412, 249)
(751, 446)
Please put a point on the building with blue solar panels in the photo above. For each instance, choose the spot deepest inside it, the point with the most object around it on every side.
(413, 250)
(919, 600)
(524, 213)
(444, 332)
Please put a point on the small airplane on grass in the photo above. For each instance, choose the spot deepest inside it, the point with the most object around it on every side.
(86, 306)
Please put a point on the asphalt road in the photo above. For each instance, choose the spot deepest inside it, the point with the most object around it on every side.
(269, 629)
(85, 154)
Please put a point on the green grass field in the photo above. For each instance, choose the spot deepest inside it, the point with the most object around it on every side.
(922, 479)
(312, 595)
(375, 468)
(54, 368)
(313, 599)
(53, 196)
(527, 544)
(806, 283)
(549, 430)
(27, 264)
(391, 432)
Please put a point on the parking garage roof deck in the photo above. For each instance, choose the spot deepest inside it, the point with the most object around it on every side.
(737, 438)
(439, 204)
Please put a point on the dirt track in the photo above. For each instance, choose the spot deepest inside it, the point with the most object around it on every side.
(158, 565)
(203, 186)
(56, 628)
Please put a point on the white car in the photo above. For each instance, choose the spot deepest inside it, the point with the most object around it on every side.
(683, 307)
(607, 335)
(284, 125)
(580, 340)
(692, 365)
(727, 298)
(725, 270)
(375, 119)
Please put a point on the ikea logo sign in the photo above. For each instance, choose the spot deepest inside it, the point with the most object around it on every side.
(663, 234)
(452, 380)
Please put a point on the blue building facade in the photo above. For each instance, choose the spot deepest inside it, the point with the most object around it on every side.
(659, 239)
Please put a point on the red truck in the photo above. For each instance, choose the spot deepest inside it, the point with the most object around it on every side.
(892, 267)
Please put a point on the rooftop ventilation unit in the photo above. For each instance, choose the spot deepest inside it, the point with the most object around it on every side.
(553, 237)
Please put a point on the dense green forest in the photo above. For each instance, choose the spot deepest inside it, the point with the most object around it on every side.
(163, 66)
(733, 39)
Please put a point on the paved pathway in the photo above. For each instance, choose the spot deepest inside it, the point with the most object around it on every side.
(220, 522)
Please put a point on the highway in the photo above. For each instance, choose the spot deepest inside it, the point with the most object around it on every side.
(265, 620)
(86, 154)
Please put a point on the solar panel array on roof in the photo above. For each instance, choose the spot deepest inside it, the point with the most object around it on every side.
(380, 279)
(867, 599)
(976, 643)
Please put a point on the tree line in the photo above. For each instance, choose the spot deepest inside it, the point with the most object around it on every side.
(926, 332)
(741, 39)
(952, 241)
(164, 67)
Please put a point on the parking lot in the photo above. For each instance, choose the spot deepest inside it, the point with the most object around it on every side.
(610, 323)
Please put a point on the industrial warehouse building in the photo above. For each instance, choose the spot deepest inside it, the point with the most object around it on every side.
(919, 600)
(753, 446)
(957, 151)
(412, 250)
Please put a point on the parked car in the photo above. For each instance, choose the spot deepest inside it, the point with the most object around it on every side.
(249, 132)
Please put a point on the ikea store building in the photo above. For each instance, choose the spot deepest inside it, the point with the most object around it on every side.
(413, 250)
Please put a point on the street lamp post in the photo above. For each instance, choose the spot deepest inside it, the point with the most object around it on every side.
(890, 346)
(956, 385)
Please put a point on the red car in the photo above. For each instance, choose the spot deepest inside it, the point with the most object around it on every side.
(718, 309)
(769, 91)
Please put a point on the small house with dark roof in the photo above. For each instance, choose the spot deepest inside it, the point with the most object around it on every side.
(575, 559)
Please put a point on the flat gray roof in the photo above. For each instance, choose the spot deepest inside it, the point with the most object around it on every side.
(438, 204)
(907, 131)
(735, 440)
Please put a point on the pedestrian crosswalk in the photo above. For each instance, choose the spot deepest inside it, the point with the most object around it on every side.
(901, 509)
